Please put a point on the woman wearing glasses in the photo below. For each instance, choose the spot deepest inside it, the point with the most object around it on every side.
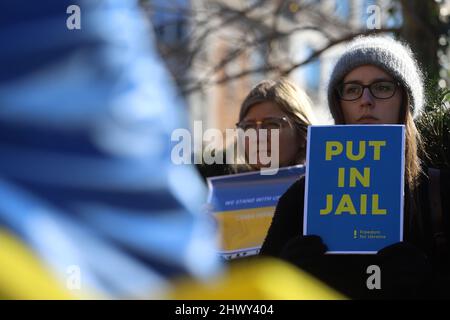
(277, 105)
(375, 81)
(271, 105)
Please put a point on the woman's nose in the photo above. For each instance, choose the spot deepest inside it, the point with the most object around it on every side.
(367, 98)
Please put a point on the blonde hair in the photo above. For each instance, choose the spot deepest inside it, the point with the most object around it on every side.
(292, 100)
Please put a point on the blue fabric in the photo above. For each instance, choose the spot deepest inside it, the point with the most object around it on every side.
(86, 177)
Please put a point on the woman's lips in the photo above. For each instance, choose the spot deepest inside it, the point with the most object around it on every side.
(368, 120)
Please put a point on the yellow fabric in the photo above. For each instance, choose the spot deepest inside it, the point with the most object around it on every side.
(264, 279)
(21, 274)
(245, 228)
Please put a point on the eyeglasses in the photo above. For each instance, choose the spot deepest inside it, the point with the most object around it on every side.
(380, 90)
(267, 123)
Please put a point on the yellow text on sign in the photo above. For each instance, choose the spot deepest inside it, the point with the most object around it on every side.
(354, 174)
(346, 205)
(336, 148)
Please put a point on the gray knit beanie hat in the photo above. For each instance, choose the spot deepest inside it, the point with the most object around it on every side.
(388, 54)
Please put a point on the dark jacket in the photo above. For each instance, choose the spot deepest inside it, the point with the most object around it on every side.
(415, 268)
(221, 169)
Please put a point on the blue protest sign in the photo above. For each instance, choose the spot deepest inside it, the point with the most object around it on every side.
(244, 204)
(354, 186)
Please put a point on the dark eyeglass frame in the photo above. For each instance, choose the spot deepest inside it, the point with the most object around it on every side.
(259, 123)
(369, 86)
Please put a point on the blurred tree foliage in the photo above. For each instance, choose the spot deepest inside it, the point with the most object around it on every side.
(434, 126)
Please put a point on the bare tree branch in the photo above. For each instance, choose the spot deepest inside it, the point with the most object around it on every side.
(269, 68)
(263, 27)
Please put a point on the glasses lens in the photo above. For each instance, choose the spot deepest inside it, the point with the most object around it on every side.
(350, 91)
(382, 90)
(268, 124)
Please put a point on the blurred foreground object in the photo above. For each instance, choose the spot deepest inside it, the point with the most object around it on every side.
(91, 204)
(263, 279)
(86, 179)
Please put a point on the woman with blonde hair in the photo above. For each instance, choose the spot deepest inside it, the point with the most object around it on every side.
(278, 105)
(270, 105)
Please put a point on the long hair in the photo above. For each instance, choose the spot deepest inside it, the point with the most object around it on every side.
(292, 100)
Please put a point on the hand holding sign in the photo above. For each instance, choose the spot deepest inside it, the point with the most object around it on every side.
(405, 271)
